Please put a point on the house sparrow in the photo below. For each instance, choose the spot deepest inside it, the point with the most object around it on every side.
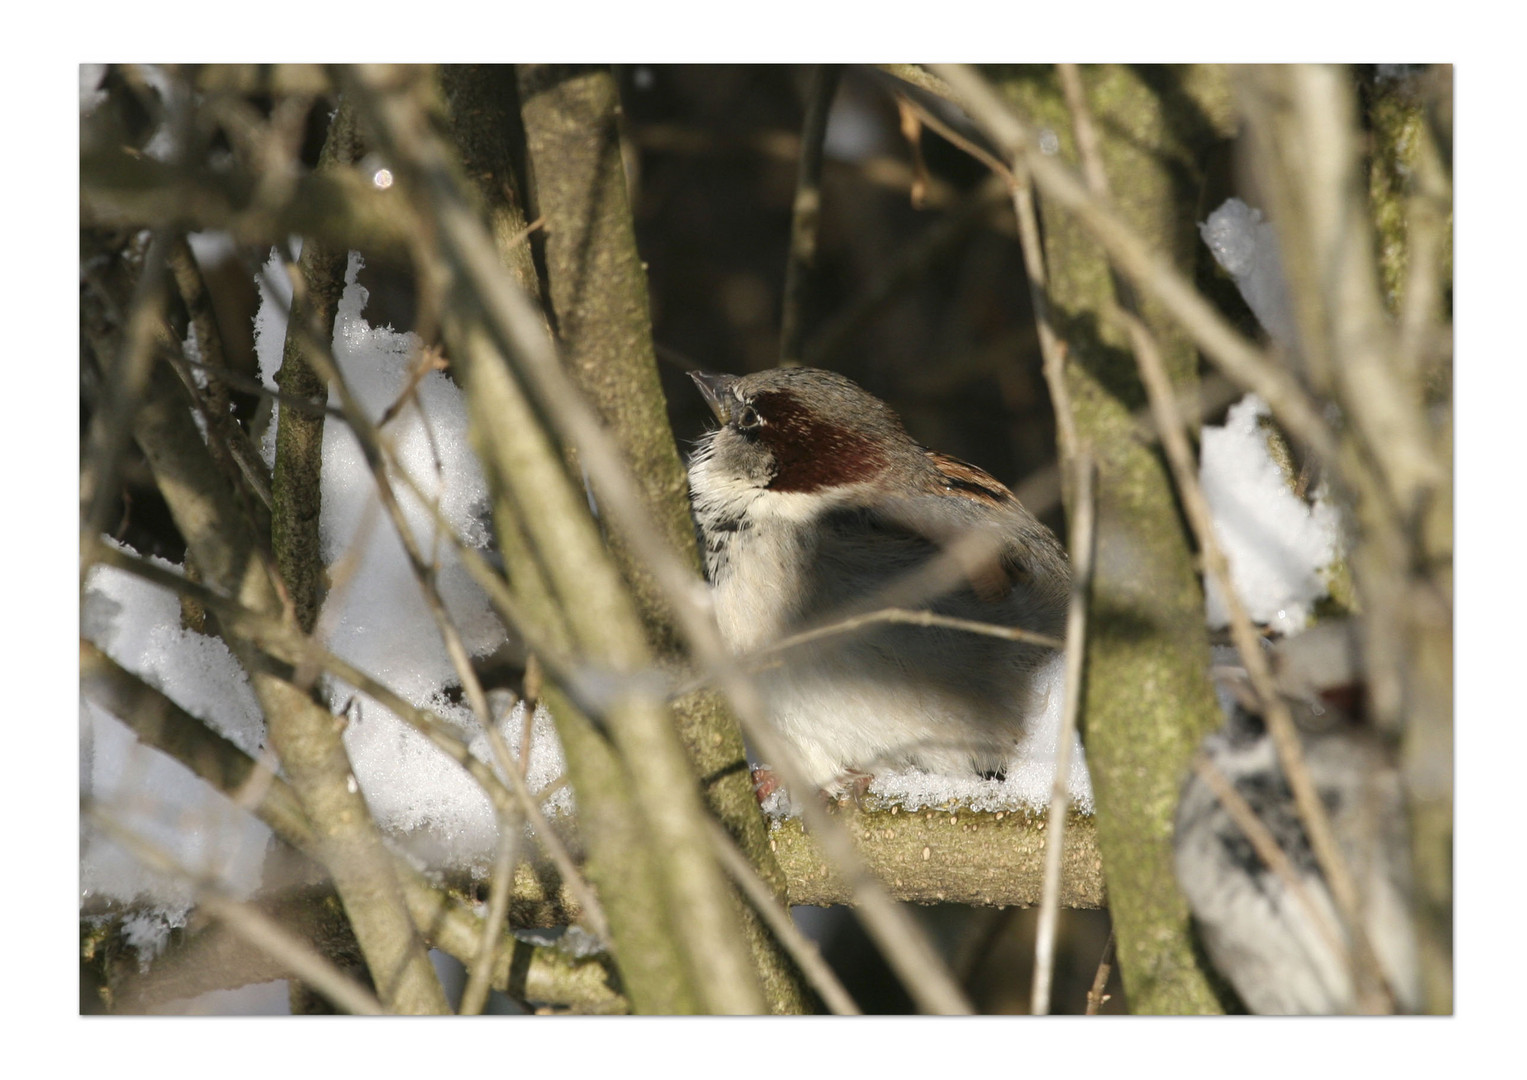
(814, 505)
(1260, 936)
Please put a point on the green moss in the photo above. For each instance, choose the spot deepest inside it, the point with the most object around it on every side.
(1148, 701)
(1396, 115)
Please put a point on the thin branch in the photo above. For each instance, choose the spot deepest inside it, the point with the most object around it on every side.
(244, 919)
(1089, 147)
(905, 268)
(376, 454)
(804, 212)
(1146, 268)
(1051, 347)
(514, 322)
(1179, 452)
(287, 645)
(255, 387)
(480, 975)
(1083, 550)
(912, 132)
(980, 153)
(112, 426)
(801, 949)
(450, 923)
(1095, 996)
(901, 616)
(1268, 850)
(224, 435)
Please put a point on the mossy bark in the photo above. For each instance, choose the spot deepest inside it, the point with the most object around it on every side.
(936, 856)
(497, 350)
(598, 291)
(524, 971)
(1360, 215)
(304, 735)
(1408, 191)
(1148, 700)
(296, 488)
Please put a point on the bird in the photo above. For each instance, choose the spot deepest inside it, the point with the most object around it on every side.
(1286, 954)
(813, 505)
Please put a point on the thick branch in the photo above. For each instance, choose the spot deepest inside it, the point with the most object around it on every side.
(523, 971)
(305, 736)
(1148, 701)
(946, 856)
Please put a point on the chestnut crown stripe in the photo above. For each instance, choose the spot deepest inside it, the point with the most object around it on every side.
(811, 453)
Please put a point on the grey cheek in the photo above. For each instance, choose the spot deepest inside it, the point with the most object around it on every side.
(763, 470)
(743, 458)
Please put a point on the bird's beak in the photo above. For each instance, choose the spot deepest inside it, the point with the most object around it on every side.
(716, 391)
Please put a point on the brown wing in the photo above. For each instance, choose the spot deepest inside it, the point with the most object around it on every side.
(962, 478)
(992, 575)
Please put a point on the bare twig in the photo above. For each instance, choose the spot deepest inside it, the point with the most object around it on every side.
(912, 132)
(192, 287)
(480, 975)
(1051, 348)
(1180, 456)
(980, 153)
(1083, 548)
(514, 322)
(112, 425)
(1147, 269)
(259, 389)
(1268, 850)
(243, 919)
(902, 616)
(289, 646)
(807, 207)
(1088, 147)
(1095, 996)
(376, 456)
(801, 949)
(905, 268)
(518, 968)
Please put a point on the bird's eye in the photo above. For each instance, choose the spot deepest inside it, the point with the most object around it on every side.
(748, 418)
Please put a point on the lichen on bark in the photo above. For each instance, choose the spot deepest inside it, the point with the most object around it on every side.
(1148, 701)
